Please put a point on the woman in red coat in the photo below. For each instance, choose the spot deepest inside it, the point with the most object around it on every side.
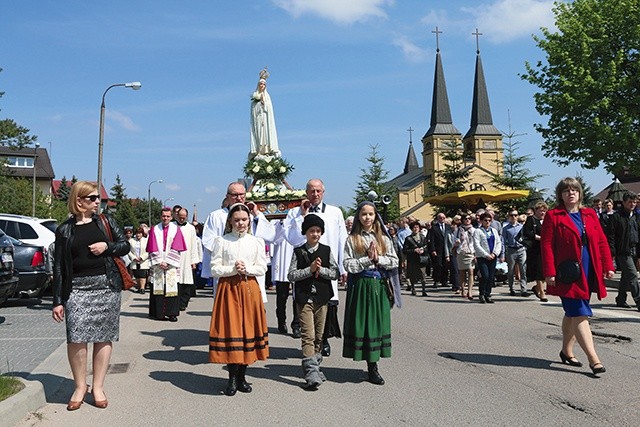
(573, 233)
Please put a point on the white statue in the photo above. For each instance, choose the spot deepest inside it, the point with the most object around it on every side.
(264, 138)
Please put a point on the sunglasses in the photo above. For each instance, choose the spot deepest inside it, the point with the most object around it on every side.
(92, 197)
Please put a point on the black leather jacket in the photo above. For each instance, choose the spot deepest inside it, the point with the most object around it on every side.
(62, 263)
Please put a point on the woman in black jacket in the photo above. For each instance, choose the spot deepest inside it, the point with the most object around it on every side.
(531, 232)
(415, 247)
(86, 289)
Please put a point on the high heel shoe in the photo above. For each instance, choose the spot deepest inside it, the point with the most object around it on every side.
(597, 369)
(102, 404)
(571, 361)
(75, 405)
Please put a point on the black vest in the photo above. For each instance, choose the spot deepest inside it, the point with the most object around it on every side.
(304, 288)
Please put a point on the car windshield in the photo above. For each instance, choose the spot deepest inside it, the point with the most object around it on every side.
(51, 224)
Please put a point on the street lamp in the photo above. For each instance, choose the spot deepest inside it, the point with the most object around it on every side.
(149, 198)
(132, 85)
(35, 158)
(164, 203)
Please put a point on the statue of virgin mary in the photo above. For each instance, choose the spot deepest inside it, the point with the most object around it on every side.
(264, 139)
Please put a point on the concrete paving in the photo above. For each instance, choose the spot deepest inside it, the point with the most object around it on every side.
(455, 362)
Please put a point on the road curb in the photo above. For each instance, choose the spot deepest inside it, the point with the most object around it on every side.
(29, 399)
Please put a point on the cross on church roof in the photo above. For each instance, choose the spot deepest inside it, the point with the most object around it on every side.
(410, 135)
(477, 34)
(437, 33)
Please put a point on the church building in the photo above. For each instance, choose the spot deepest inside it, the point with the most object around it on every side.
(481, 145)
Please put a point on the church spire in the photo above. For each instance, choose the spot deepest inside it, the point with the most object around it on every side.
(481, 120)
(412, 161)
(441, 122)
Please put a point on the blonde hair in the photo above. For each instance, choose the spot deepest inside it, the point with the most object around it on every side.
(79, 189)
(356, 237)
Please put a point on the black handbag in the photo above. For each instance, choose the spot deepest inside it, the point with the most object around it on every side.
(425, 260)
(568, 271)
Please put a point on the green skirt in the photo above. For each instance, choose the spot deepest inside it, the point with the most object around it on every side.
(367, 320)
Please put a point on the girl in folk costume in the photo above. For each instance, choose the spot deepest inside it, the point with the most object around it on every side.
(164, 247)
(368, 256)
(238, 334)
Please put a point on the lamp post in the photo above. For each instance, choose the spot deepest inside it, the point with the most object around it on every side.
(164, 203)
(149, 198)
(35, 159)
(132, 85)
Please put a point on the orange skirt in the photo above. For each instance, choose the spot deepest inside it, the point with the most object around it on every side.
(238, 332)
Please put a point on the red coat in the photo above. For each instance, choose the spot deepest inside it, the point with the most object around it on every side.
(561, 241)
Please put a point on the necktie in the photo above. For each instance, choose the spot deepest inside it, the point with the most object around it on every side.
(314, 209)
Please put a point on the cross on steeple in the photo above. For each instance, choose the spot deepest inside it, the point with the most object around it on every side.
(437, 33)
(477, 34)
(410, 135)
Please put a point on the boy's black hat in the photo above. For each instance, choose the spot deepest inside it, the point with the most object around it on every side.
(311, 220)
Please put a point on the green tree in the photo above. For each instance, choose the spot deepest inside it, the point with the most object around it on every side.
(513, 175)
(454, 175)
(587, 193)
(14, 135)
(590, 84)
(123, 212)
(374, 178)
(16, 197)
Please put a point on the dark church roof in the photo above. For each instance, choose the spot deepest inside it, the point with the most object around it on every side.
(481, 120)
(441, 122)
(412, 161)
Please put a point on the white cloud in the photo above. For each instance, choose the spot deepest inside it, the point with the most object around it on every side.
(211, 189)
(172, 187)
(124, 121)
(411, 51)
(340, 11)
(506, 20)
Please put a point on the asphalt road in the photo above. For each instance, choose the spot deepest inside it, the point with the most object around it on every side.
(455, 362)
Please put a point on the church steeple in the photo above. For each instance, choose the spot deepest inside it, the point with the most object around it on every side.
(412, 161)
(441, 122)
(481, 120)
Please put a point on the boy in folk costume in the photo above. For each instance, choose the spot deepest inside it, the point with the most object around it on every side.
(164, 246)
(312, 269)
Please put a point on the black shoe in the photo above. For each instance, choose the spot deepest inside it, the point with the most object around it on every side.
(173, 319)
(489, 300)
(571, 361)
(622, 304)
(295, 331)
(282, 328)
(141, 291)
(512, 293)
(598, 368)
(232, 384)
(424, 294)
(326, 348)
(524, 294)
(242, 384)
(481, 299)
(374, 375)
(183, 308)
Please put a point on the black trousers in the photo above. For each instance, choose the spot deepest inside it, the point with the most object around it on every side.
(440, 269)
(282, 294)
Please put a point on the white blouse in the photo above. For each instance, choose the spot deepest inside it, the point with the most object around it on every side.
(355, 263)
(234, 247)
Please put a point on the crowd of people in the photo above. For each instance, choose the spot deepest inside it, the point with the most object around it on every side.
(567, 251)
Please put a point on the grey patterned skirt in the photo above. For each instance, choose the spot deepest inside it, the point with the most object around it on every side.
(92, 311)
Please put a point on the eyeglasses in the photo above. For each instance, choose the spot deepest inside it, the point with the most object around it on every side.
(92, 197)
(513, 214)
(466, 218)
(236, 194)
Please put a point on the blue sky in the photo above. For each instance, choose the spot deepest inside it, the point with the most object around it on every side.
(344, 75)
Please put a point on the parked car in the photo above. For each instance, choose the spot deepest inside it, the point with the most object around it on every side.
(8, 274)
(34, 231)
(34, 275)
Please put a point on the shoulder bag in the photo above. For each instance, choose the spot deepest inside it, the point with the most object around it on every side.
(127, 280)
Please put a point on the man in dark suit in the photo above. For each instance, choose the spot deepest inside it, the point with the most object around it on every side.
(440, 262)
